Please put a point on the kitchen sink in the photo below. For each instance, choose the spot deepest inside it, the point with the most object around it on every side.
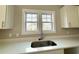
(42, 44)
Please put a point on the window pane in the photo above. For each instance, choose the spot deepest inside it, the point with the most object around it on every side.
(43, 16)
(34, 19)
(34, 15)
(47, 26)
(31, 17)
(49, 16)
(31, 26)
(28, 15)
(46, 18)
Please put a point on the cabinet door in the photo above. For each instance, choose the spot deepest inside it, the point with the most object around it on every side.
(72, 16)
(69, 16)
(9, 17)
(64, 20)
(2, 15)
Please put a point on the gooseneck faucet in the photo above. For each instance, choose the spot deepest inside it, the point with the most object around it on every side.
(41, 36)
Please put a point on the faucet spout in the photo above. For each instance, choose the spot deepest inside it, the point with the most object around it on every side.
(41, 36)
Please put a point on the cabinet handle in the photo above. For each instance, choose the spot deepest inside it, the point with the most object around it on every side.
(3, 24)
(69, 24)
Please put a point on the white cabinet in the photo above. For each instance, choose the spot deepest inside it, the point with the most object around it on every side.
(6, 16)
(74, 50)
(69, 17)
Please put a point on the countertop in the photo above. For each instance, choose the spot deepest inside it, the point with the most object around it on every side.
(25, 47)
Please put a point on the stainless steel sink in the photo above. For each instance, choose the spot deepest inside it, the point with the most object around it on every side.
(42, 44)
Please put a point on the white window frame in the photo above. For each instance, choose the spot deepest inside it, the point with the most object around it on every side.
(39, 28)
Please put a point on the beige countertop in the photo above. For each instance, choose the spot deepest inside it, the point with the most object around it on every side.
(25, 47)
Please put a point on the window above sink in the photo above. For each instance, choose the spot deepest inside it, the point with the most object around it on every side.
(33, 21)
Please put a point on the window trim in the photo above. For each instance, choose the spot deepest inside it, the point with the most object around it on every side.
(47, 22)
(30, 21)
(38, 26)
(23, 22)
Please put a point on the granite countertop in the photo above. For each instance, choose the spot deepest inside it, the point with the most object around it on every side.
(25, 47)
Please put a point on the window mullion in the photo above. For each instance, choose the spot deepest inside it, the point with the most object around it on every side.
(52, 23)
(38, 23)
(46, 22)
(41, 26)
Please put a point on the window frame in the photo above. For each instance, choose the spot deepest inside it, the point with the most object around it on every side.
(30, 21)
(39, 17)
(51, 22)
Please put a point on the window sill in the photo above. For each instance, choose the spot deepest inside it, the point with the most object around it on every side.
(51, 31)
(29, 33)
(37, 33)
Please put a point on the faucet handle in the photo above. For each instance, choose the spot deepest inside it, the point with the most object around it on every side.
(40, 38)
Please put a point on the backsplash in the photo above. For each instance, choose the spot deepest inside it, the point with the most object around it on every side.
(16, 31)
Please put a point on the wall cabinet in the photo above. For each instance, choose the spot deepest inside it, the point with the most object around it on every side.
(6, 16)
(69, 17)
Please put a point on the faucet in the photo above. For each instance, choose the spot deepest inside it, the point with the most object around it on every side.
(41, 35)
(40, 31)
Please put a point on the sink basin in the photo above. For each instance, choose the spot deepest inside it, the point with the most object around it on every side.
(42, 44)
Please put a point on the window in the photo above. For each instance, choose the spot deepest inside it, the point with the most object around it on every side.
(30, 22)
(36, 20)
(47, 22)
